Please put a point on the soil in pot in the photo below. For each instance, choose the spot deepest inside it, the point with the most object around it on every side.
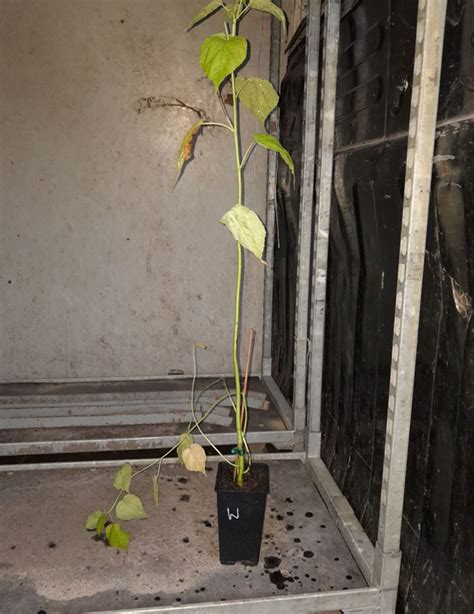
(241, 512)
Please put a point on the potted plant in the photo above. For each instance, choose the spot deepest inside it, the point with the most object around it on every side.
(241, 486)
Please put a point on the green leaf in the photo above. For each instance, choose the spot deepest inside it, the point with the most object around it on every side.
(101, 524)
(220, 56)
(267, 6)
(117, 537)
(123, 478)
(187, 146)
(270, 142)
(155, 491)
(130, 508)
(92, 520)
(247, 229)
(258, 95)
(205, 12)
(185, 440)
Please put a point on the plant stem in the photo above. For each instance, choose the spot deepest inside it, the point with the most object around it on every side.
(226, 126)
(111, 509)
(239, 474)
(238, 395)
(247, 154)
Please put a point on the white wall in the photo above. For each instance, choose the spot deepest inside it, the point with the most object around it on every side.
(105, 269)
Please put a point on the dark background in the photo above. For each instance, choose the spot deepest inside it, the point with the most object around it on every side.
(373, 104)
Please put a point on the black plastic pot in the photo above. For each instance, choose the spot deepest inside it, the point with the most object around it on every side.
(241, 512)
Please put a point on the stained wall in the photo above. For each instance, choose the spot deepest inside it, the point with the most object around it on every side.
(107, 268)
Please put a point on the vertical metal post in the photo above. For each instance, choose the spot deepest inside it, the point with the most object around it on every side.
(306, 213)
(272, 168)
(323, 209)
(424, 105)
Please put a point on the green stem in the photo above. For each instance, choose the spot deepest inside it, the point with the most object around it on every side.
(227, 127)
(111, 509)
(236, 143)
(238, 394)
(251, 147)
(225, 111)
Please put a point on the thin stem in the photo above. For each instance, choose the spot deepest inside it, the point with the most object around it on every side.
(239, 11)
(224, 109)
(247, 154)
(158, 471)
(236, 143)
(243, 11)
(239, 474)
(109, 511)
(201, 392)
(193, 408)
(227, 127)
(229, 395)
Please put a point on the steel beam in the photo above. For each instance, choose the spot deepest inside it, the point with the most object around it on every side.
(306, 214)
(282, 406)
(424, 105)
(282, 439)
(360, 600)
(100, 464)
(272, 169)
(323, 209)
(351, 529)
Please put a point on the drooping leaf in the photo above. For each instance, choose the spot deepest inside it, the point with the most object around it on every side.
(123, 477)
(155, 489)
(220, 56)
(258, 95)
(267, 6)
(194, 458)
(185, 440)
(205, 12)
(101, 524)
(92, 520)
(270, 142)
(247, 228)
(130, 508)
(187, 145)
(117, 537)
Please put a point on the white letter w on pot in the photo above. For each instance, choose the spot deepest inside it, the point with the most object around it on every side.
(232, 516)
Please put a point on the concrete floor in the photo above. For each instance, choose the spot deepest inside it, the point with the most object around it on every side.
(50, 564)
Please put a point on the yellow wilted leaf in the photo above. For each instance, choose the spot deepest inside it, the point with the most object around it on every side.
(194, 458)
(185, 440)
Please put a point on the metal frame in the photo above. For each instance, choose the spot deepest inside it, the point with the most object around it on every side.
(359, 600)
(380, 564)
(419, 164)
(281, 439)
(323, 193)
(306, 212)
(272, 169)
